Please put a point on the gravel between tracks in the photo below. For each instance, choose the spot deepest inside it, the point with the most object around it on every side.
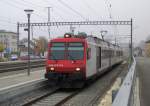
(29, 96)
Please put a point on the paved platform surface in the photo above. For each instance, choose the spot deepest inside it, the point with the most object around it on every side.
(143, 67)
(21, 78)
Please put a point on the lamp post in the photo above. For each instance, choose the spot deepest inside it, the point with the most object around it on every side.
(28, 12)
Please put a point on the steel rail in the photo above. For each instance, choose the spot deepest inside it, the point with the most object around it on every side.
(57, 94)
(41, 97)
(6, 67)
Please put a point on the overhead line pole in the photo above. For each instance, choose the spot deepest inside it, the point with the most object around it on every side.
(49, 19)
(131, 38)
(18, 38)
(32, 32)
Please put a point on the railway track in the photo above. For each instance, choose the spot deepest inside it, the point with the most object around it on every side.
(90, 93)
(56, 98)
(15, 66)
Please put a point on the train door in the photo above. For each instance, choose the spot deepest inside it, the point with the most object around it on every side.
(109, 54)
(98, 59)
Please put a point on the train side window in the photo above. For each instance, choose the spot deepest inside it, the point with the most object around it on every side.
(88, 53)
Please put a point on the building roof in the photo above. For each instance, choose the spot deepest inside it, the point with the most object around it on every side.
(4, 31)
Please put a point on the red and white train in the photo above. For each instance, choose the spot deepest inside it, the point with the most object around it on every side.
(75, 59)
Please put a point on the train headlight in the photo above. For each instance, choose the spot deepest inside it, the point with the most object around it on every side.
(78, 69)
(52, 69)
(67, 36)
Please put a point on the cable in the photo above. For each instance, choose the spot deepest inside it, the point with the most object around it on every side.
(8, 22)
(108, 6)
(59, 15)
(21, 9)
(12, 5)
(3, 18)
(59, 9)
(63, 11)
(40, 16)
(66, 5)
(28, 2)
(88, 6)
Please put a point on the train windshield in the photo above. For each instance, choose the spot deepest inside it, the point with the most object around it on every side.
(64, 51)
(57, 51)
(75, 51)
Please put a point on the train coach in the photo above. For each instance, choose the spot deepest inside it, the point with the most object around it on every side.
(73, 60)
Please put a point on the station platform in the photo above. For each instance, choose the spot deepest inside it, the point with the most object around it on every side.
(15, 80)
(143, 68)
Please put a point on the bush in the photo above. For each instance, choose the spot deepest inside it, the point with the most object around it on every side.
(3, 59)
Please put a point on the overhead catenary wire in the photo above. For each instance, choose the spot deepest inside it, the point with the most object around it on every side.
(73, 10)
(6, 20)
(108, 6)
(35, 5)
(54, 8)
(29, 3)
(88, 6)
(57, 7)
(19, 8)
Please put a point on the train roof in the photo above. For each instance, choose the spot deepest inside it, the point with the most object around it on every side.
(80, 38)
(67, 40)
(99, 40)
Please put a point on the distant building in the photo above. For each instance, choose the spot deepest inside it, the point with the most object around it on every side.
(138, 51)
(23, 46)
(9, 41)
(147, 48)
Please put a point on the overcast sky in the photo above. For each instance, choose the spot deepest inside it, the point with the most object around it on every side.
(12, 11)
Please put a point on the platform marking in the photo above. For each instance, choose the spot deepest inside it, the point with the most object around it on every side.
(23, 83)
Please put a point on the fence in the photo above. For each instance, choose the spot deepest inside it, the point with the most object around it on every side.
(125, 95)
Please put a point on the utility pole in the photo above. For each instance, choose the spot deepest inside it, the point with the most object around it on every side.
(131, 38)
(49, 19)
(18, 38)
(32, 32)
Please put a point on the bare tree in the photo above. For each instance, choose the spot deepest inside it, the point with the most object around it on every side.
(42, 44)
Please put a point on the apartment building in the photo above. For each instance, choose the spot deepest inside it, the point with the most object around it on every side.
(9, 40)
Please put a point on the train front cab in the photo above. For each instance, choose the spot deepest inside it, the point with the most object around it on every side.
(66, 60)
